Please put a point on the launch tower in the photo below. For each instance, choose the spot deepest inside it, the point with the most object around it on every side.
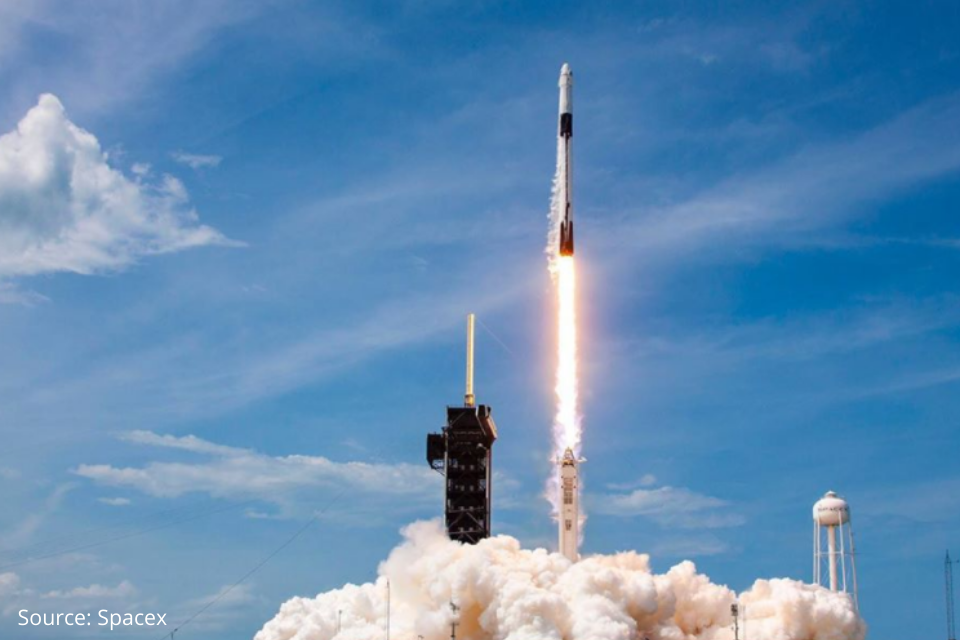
(463, 453)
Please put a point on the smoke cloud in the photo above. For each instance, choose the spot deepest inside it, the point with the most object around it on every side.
(507, 593)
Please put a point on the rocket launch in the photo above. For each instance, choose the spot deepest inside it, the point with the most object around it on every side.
(504, 591)
(566, 429)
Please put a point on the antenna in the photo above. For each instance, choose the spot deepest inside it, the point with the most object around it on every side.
(948, 583)
(454, 621)
(468, 397)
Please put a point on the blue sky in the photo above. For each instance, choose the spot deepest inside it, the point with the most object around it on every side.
(290, 207)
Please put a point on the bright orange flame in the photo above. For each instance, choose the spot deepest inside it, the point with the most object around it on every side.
(567, 422)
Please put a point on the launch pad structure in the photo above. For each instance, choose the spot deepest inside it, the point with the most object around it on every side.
(463, 453)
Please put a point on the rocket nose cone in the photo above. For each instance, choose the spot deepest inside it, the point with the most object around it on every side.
(565, 69)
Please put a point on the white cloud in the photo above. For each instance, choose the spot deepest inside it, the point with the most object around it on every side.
(115, 502)
(246, 474)
(196, 161)
(141, 169)
(670, 506)
(14, 596)
(9, 585)
(64, 208)
(12, 294)
(95, 591)
(185, 443)
(646, 480)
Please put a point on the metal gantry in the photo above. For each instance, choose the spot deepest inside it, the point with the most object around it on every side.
(463, 453)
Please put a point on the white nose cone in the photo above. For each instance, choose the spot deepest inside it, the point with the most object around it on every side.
(566, 89)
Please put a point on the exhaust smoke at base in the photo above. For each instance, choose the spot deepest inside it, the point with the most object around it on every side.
(504, 592)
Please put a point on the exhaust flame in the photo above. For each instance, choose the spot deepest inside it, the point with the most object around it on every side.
(567, 422)
(566, 425)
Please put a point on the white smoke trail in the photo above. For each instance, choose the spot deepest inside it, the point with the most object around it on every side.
(508, 593)
(567, 420)
(555, 214)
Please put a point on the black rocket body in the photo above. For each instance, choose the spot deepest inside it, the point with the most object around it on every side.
(565, 132)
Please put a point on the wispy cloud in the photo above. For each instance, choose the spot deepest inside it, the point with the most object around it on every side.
(23, 531)
(93, 592)
(818, 186)
(646, 480)
(669, 507)
(235, 473)
(15, 596)
(862, 324)
(110, 56)
(926, 502)
(11, 293)
(115, 502)
(196, 161)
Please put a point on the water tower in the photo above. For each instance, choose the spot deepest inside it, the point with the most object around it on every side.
(833, 545)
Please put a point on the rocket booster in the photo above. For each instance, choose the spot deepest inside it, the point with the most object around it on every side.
(565, 133)
(569, 505)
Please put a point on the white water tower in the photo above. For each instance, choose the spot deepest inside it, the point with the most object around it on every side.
(833, 545)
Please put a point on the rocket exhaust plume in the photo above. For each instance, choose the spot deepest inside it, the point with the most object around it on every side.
(503, 592)
(564, 488)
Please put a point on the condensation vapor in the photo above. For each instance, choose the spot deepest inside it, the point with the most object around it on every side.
(504, 592)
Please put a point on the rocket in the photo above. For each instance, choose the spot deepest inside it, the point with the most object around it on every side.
(565, 133)
(569, 504)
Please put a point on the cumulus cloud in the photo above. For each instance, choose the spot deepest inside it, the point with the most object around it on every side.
(197, 161)
(64, 208)
(669, 506)
(230, 472)
(503, 591)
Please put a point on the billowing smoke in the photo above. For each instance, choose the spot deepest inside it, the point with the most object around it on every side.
(504, 592)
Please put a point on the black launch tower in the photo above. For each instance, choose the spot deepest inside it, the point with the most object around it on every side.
(463, 453)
